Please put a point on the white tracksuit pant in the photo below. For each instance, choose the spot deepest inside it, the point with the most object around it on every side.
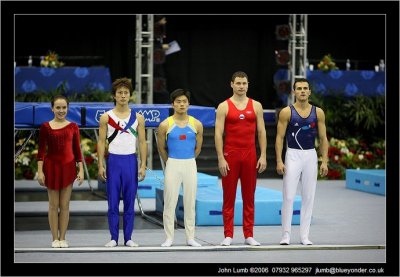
(178, 171)
(300, 165)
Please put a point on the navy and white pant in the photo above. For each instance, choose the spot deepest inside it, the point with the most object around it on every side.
(122, 175)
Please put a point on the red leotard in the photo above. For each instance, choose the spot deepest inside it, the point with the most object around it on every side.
(240, 154)
(63, 151)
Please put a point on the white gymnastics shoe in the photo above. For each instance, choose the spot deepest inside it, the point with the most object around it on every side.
(227, 241)
(285, 239)
(167, 243)
(251, 241)
(64, 244)
(55, 244)
(130, 243)
(194, 243)
(111, 243)
(306, 242)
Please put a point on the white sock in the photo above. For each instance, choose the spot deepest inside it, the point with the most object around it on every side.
(192, 242)
(227, 241)
(167, 243)
(111, 243)
(251, 241)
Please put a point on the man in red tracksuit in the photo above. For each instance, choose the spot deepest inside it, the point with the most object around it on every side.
(239, 117)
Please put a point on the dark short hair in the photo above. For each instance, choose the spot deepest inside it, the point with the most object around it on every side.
(301, 80)
(119, 83)
(122, 82)
(239, 74)
(179, 92)
(55, 98)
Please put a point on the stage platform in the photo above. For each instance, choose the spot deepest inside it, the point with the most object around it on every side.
(348, 227)
(367, 180)
(268, 204)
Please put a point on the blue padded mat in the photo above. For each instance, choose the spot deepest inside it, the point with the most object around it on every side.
(155, 178)
(268, 204)
(367, 180)
(87, 114)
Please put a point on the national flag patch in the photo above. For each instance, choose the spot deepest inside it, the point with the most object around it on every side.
(182, 137)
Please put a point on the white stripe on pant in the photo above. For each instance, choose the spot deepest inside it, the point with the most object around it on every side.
(177, 172)
(300, 165)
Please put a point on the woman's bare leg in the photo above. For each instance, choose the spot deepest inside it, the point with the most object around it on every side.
(65, 197)
(54, 196)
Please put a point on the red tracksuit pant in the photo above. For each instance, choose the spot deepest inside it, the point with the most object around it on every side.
(242, 164)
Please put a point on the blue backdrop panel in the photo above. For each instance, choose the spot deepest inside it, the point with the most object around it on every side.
(268, 204)
(269, 116)
(351, 82)
(43, 113)
(153, 113)
(367, 180)
(74, 79)
(88, 114)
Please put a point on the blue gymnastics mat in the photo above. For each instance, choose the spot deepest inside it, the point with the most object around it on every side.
(367, 180)
(155, 179)
(268, 204)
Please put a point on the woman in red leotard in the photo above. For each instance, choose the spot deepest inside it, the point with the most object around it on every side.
(59, 151)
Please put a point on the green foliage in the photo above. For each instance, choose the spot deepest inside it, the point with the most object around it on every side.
(355, 128)
(91, 96)
(366, 112)
(362, 117)
(47, 96)
(334, 117)
(39, 96)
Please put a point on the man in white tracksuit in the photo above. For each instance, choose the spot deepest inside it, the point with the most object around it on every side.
(300, 123)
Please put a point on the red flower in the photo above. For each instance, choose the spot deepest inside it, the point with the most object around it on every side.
(89, 160)
(369, 155)
(379, 152)
(28, 174)
(333, 151)
(333, 174)
(363, 145)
